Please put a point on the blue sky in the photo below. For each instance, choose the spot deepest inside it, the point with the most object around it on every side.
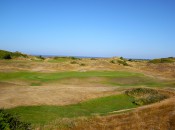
(105, 28)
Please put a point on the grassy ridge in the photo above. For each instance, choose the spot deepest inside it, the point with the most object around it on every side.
(46, 114)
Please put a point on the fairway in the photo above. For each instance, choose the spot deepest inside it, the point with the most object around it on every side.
(100, 106)
(114, 78)
(60, 75)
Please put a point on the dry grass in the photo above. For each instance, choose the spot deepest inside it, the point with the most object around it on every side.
(159, 116)
(56, 94)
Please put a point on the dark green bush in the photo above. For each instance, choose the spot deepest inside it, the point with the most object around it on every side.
(121, 58)
(7, 57)
(12, 122)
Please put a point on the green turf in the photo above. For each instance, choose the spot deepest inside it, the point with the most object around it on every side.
(46, 114)
(115, 78)
(60, 75)
(136, 81)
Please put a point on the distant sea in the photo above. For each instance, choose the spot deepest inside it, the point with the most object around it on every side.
(69, 56)
(46, 56)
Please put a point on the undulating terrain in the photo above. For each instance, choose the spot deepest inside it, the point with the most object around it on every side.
(88, 93)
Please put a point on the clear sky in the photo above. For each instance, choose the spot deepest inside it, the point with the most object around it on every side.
(105, 28)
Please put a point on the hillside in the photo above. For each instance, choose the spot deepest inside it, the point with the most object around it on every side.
(11, 55)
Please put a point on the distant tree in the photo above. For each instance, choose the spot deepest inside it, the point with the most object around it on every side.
(121, 58)
(41, 57)
(8, 56)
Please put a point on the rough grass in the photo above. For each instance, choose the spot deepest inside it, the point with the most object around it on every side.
(153, 117)
(162, 60)
(46, 114)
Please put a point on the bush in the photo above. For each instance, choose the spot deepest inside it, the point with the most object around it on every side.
(121, 58)
(112, 61)
(123, 62)
(82, 64)
(150, 99)
(41, 57)
(73, 62)
(7, 57)
(12, 122)
(144, 96)
(136, 92)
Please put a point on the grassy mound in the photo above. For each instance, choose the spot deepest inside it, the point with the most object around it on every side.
(144, 96)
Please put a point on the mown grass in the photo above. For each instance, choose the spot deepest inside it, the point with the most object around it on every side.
(61, 75)
(114, 78)
(46, 114)
(135, 81)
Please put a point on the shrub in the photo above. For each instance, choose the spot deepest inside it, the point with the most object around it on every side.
(112, 61)
(12, 122)
(121, 58)
(150, 99)
(82, 64)
(136, 92)
(7, 57)
(123, 62)
(73, 62)
(41, 57)
(144, 96)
